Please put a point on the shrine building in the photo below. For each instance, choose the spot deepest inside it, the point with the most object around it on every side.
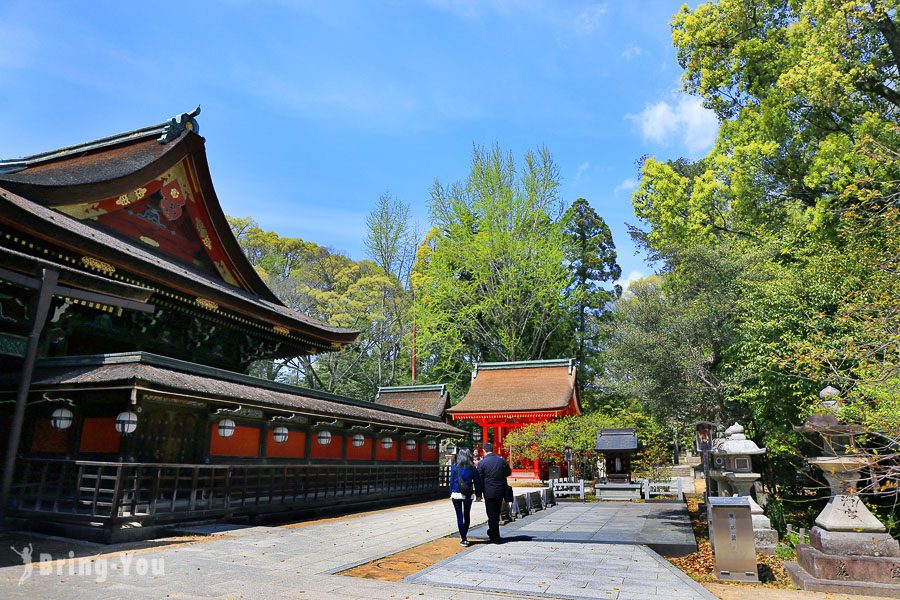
(427, 399)
(129, 321)
(504, 396)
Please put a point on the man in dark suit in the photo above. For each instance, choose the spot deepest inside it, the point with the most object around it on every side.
(493, 470)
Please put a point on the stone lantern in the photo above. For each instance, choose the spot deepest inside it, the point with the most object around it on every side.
(733, 472)
(849, 550)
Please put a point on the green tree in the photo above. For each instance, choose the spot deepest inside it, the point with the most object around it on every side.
(490, 278)
(391, 243)
(799, 195)
(330, 287)
(591, 255)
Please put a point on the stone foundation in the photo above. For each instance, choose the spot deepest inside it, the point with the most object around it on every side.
(853, 543)
(805, 581)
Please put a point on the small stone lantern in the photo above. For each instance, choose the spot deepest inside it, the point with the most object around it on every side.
(734, 474)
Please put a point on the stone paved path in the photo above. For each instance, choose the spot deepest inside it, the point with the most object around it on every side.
(665, 527)
(565, 570)
(298, 562)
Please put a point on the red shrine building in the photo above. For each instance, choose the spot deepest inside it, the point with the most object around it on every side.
(506, 395)
(129, 321)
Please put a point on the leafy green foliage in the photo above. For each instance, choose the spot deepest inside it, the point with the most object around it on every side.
(490, 277)
(780, 247)
(333, 288)
(591, 255)
(547, 440)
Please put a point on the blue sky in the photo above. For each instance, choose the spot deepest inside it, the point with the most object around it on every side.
(311, 110)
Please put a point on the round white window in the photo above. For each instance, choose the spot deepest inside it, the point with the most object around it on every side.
(358, 440)
(410, 444)
(324, 438)
(387, 443)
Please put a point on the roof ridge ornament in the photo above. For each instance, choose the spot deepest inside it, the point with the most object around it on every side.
(177, 125)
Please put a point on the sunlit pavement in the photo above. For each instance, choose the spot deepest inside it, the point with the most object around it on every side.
(298, 562)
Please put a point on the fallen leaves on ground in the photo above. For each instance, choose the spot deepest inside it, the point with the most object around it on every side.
(701, 565)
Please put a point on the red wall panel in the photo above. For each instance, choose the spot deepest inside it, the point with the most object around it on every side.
(332, 450)
(99, 435)
(390, 454)
(293, 447)
(429, 455)
(47, 439)
(363, 452)
(409, 455)
(244, 442)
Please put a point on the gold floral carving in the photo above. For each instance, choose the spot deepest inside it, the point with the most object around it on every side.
(82, 211)
(139, 193)
(98, 265)
(281, 330)
(225, 273)
(123, 200)
(204, 235)
(207, 304)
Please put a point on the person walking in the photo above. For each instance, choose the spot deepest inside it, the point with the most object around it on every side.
(464, 483)
(493, 470)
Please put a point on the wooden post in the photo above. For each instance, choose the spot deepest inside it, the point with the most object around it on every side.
(40, 310)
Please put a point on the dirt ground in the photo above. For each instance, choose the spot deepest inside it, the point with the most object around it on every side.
(755, 592)
(403, 564)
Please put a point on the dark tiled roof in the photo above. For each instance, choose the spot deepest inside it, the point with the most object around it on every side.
(110, 166)
(53, 226)
(427, 399)
(80, 169)
(162, 374)
(522, 386)
(616, 440)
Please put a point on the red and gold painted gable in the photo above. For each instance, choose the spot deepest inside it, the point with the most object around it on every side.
(167, 214)
(519, 416)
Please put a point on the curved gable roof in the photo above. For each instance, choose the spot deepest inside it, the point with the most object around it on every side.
(539, 386)
(98, 198)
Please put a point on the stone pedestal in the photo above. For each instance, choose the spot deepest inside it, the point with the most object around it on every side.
(765, 537)
(850, 550)
(870, 575)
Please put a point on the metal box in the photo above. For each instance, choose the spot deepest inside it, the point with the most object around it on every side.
(731, 534)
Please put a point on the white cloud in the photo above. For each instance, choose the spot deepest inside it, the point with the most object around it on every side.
(632, 277)
(683, 120)
(590, 18)
(582, 169)
(632, 51)
(627, 185)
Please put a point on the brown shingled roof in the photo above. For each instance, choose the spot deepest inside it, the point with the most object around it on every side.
(427, 399)
(523, 386)
(30, 187)
(162, 374)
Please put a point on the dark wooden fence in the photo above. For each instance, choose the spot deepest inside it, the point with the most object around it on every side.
(112, 493)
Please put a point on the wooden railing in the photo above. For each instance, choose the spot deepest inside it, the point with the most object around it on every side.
(111, 492)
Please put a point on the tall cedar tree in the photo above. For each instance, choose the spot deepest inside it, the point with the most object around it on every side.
(591, 255)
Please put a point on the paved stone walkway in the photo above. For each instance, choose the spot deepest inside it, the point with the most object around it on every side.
(299, 562)
(565, 570)
(665, 527)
